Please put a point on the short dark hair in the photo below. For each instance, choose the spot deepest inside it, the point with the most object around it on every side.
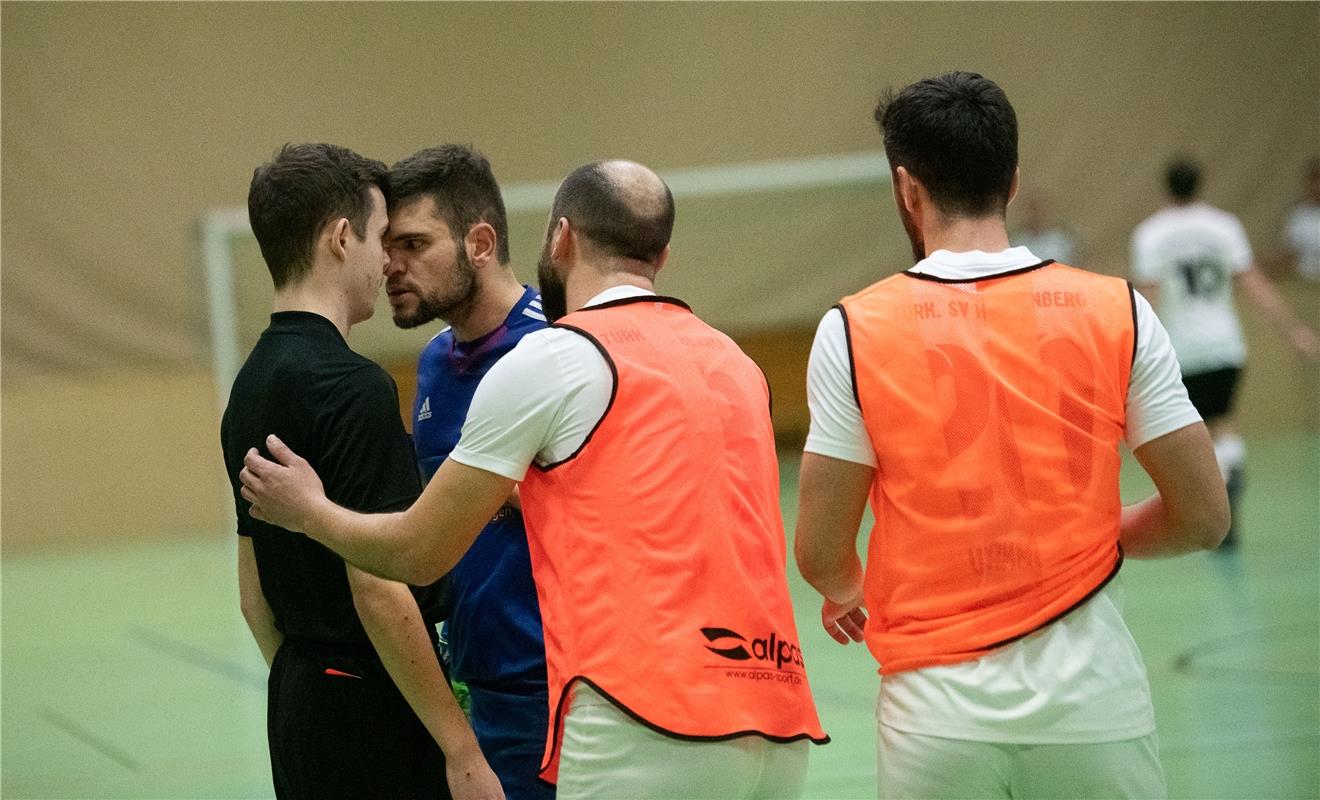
(624, 218)
(957, 134)
(460, 181)
(303, 187)
(1183, 177)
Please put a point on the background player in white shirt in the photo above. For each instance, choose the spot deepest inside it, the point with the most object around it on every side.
(1302, 234)
(1190, 258)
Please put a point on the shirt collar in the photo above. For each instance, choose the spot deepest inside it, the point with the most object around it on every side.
(530, 297)
(618, 293)
(973, 264)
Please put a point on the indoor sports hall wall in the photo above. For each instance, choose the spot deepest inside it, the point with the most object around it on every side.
(122, 124)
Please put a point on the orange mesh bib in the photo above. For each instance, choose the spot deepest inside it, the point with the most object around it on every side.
(995, 408)
(658, 549)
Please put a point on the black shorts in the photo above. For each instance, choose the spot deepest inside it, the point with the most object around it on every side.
(339, 728)
(1212, 392)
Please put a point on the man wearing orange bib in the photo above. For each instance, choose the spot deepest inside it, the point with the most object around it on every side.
(978, 400)
(642, 440)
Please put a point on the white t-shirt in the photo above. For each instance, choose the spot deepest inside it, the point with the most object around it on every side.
(540, 401)
(1079, 679)
(1303, 238)
(1193, 252)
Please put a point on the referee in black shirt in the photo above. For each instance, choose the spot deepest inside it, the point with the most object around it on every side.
(358, 704)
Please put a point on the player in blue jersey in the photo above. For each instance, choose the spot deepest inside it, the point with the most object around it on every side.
(449, 259)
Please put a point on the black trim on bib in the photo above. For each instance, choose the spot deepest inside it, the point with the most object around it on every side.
(1118, 563)
(852, 363)
(1132, 298)
(614, 392)
(643, 298)
(921, 276)
(769, 393)
(638, 718)
(614, 371)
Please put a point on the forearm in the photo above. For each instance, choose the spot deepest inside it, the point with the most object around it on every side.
(1149, 531)
(394, 624)
(1190, 510)
(832, 498)
(267, 636)
(390, 546)
(421, 544)
(252, 602)
(416, 546)
(838, 579)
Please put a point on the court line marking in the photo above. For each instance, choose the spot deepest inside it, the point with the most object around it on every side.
(1266, 737)
(87, 737)
(1186, 662)
(197, 657)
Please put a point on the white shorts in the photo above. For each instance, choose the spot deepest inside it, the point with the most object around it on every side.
(912, 765)
(607, 754)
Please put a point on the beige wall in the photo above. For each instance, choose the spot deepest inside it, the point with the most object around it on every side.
(116, 457)
(122, 123)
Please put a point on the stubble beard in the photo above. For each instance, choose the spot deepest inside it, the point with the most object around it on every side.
(914, 235)
(432, 305)
(554, 295)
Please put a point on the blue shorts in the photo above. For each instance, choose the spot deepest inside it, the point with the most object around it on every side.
(511, 731)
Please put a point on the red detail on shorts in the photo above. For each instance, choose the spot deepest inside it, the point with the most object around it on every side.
(332, 671)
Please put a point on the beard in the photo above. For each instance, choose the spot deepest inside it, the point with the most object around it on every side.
(915, 238)
(434, 303)
(554, 295)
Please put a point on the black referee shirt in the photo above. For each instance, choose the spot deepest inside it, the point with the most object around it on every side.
(340, 411)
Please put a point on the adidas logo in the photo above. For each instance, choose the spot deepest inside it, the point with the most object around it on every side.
(534, 310)
(425, 411)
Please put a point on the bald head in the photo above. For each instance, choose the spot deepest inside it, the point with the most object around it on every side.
(622, 207)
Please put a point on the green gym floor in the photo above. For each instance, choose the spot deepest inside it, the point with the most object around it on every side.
(128, 672)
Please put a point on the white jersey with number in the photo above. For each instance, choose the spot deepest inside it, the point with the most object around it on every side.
(1192, 253)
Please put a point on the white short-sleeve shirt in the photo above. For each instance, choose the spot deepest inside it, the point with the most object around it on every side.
(1078, 680)
(540, 401)
(1192, 253)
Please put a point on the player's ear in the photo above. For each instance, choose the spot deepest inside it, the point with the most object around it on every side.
(905, 189)
(561, 239)
(482, 244)
(1013, 186)
(661, 259)
(340, 230)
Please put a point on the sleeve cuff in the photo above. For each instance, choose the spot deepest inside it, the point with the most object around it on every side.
(818, 447)
(507, 469)
(1163, 427)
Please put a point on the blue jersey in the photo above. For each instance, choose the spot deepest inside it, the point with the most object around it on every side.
(495, 627)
